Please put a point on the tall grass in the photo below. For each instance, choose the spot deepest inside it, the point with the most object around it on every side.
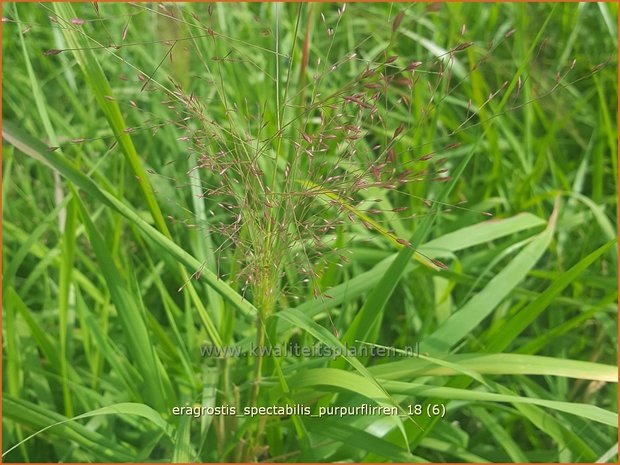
(218, 176)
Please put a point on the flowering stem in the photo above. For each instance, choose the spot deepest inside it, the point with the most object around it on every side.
(265, 303)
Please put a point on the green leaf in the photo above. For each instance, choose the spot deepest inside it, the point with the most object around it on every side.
(183, 451)
(132, 317)
(94, 75)
(462, 322)
(518, 323)
(358, 439)
(589, 412)
(37, 150)
(67, 429)
(373, 306)
(373, 390)
(496, 364)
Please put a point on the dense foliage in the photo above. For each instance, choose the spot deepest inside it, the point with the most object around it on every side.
(186, 186)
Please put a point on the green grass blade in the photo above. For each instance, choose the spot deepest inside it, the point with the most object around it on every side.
(131, 316)
(482, 233)
(518, 323)
(589, 412)
(483, 303)
(64, 296)
(102, 91)
(374, 390)
(376, 301)
(123, 408)
(452, 242)
(37, 150)
(42, 419)
(358, 439)
(500, 434)
(497, 364)
(182, 452)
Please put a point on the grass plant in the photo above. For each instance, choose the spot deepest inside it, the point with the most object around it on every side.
(181, 178)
